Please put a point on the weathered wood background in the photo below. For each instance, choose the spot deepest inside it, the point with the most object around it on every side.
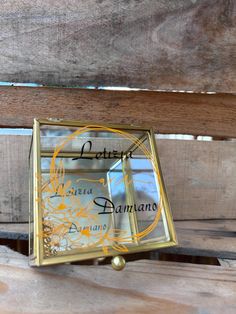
(199, 176)
(170, 45)
(157, 45)
(178, 113)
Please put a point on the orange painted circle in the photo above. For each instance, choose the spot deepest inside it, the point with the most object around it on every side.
(133, 140)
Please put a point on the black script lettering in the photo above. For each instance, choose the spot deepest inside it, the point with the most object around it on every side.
(82, 151)
(154, 206)
(129, 154)
(73, 228)
(118, 209)
(98, 155)
(128, 208)
(109, 207)
(104, 153)
(115, 154)
(87, 148)
(141, 207)
(106, 205)
(71, 192)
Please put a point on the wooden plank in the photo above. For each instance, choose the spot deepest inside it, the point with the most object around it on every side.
(180, 45)
(210, 238)
(14, 192)
(227, 262)
(197, 114)
(199, 176)
(14, 231)
(142, 287)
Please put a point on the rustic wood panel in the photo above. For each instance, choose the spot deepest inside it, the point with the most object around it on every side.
(180, 45)
(142, 287)
(14, 231)
(227, 262)
(211, 238)
(199, 176)
(182, 113)
(14, 151)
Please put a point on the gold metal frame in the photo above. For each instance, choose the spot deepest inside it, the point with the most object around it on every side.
(37, 259)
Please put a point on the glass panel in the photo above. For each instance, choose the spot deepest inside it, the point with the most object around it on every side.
(85, 140)
(69, 211)
(100, 191)
(31, 206)
(147, 194)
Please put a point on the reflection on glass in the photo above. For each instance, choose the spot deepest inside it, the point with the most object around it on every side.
(31, 213)
(99, 191)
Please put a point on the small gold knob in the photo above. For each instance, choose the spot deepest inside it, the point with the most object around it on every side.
(118, 262)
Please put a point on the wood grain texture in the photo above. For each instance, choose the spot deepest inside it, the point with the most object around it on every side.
(14, 231)
(180, 45)
(199, 177)
(211, 238)
(14, 151)
(181, 113)
(142, 287)
(227, 262)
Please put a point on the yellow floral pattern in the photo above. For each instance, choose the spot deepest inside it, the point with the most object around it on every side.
(59, 217)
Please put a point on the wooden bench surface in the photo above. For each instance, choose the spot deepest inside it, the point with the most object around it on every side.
(142, 287)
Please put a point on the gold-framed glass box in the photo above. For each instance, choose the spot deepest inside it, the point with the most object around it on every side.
(95, 190)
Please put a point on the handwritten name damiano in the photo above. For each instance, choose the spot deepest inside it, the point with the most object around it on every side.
(108, 207)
